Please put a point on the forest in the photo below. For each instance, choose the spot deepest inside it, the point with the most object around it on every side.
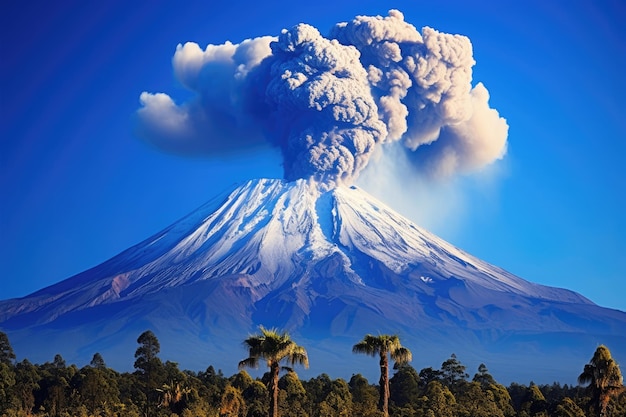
(159, 389)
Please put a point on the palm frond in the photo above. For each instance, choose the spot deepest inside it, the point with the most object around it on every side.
(401, 355)
(273, 347)
(587, 376)
(299, 357)
(271, 333)
(251, 362)
(368, 346)
(253, 341)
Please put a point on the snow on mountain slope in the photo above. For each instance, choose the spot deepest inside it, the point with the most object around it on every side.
(325, 265)
(266, 229)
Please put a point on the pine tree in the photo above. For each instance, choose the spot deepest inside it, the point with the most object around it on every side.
(149, 369)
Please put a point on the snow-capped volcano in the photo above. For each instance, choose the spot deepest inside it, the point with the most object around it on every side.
(329, 266)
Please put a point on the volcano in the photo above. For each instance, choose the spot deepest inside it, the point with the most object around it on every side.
(327, 266)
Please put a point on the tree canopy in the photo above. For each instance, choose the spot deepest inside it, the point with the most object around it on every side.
(604, 377)
(59, 388)
(274, 347)
(384, 345)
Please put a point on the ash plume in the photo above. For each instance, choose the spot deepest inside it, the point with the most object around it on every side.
(331, 103)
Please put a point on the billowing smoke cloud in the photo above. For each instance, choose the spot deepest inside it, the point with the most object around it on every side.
(422, 85)
(328, 103)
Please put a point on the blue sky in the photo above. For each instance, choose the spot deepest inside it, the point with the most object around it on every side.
(77, 186)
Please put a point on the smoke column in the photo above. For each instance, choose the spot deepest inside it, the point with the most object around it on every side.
(373, 85)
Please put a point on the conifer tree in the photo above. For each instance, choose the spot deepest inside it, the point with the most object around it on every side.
(7, 356)
(149, 368)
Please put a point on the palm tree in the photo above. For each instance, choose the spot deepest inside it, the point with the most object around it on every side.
(273, 347)
(173, 396)
(384, 345)
(604, 378)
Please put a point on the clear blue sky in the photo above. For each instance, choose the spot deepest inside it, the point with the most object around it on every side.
(77, 187)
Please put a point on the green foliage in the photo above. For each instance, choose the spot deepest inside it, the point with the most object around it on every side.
(428, 375)
(274, 348)
(7, 382)
(97, 388)
(232, 404)
(437, 401)
(338, 401)
(501, 398)
(475, 401)
(568, 408)
(384, 346)
(211, 385)
(293, 400)
(58, 389)
(241, 380)
(27, 379)
(404, 386)
(150, 372)
(256, 397)
(97, 361)
(364, 397)
(7, 356)
(318, 388)
(53, 395)
(535, 403)
(147, 362)
(605, 381)
(453, 374)
(483, 377)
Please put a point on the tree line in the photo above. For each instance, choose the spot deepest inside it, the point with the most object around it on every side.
(161, 389)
